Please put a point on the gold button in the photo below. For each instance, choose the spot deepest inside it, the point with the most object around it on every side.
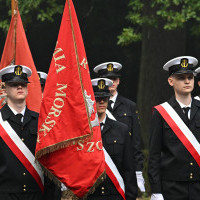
(102, 188)
(124, 114)
(191, 177)
(191, 163)
(115, 141)
(24, 190)
(22, 139)
(102, 192)
(24, 186)
(130, 133)
(102, 178)
(24, 174)
(191, 174)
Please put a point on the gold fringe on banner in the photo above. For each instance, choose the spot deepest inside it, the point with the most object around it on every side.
(69, 195)
(63, 144)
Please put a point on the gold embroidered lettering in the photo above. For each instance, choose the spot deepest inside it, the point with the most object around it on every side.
(60, 89)
(84, 63)
(80, 143)
(55, 112)
(58, 103)
(90, 147)
(97, 145)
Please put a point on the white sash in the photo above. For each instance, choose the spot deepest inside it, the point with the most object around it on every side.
(180, 129)
(20, 150)
(111, 168)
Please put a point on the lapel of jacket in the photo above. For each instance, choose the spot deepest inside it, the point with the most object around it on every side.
(27, 116)
(117, 102)
(107, 126)
(8, 114)
(195, 106)
(175, 105)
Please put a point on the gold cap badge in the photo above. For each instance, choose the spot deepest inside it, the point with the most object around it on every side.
(110, 67)
(184, 63)
(101, 84)
(18, 70)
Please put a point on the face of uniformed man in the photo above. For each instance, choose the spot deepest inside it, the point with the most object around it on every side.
(101, 104)
(113, 88)
(183, 84)
(16, 92)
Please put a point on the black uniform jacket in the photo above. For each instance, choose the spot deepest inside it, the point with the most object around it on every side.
(126, 111)
(14, 177)
(116, 141)
(169, 159)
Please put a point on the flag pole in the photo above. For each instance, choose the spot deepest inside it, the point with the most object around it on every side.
(14, 7)
(78, 65)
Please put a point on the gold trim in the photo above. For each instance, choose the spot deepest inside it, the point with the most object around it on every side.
(63, 144)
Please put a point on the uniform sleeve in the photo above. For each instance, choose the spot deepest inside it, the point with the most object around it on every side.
(155, 148)
(129, 169)
(137, 140)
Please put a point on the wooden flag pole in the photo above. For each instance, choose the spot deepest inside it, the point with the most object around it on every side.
(14, 4)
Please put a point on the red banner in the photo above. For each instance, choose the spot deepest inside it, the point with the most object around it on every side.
(69, 139)
(16, 51)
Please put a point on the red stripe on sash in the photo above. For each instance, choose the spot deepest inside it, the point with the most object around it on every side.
(179, 133)
(115, 181)
(21, 157)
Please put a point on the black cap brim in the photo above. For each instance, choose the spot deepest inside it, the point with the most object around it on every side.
(102, 94)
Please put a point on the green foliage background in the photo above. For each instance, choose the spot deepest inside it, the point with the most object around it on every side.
(42, 10)
(175, 14)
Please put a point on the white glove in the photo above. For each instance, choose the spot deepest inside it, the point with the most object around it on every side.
(157, 196)
(140, 181)
(63, 187)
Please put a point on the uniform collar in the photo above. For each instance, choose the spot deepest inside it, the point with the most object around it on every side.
(113, 98)
(183, 105)
(15, 112)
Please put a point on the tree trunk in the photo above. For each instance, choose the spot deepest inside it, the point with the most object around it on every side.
(158, 46)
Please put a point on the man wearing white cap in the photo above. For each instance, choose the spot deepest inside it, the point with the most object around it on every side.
(124, 110)
(197, 76)
(117, 144)
(42, 77)
(20, 176)
(174, 161)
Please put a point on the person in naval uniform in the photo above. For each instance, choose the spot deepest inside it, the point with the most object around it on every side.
(117, 143)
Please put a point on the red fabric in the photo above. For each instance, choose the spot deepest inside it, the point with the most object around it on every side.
(179, 133)
(64, 117)
(16, 51)
(22, 158)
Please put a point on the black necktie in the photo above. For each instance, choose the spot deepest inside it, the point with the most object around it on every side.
(19, 117)
(109, 105)
(186, 110)
(101, 125)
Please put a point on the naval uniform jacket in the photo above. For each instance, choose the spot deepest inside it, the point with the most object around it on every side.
(169, 160)
(116, 141)
(126, 111)
(14, 177)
